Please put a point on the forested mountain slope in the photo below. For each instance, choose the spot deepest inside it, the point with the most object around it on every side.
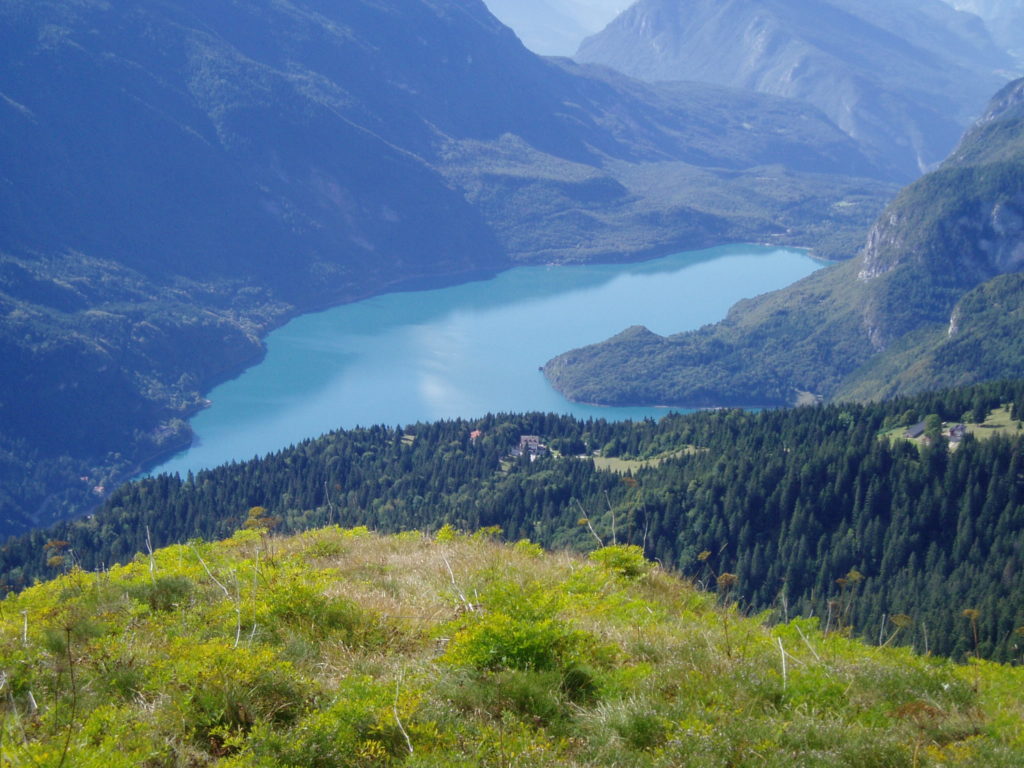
(338, 648)
(178, 177)
(788, 501)
(932, 300)
(904, 77)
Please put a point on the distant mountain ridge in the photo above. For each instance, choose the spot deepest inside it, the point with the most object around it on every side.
(178, 177)
(902, 77)
(1004, 19)
(934, 299)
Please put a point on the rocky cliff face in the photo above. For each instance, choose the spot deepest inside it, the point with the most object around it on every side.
(993, 230)
(951, 231)
(884, 246)
(968, 216)
(1008, 104)
(1005, 251)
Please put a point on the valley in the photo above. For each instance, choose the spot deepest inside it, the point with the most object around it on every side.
(327, 247)
(555, 27)
(179, 182)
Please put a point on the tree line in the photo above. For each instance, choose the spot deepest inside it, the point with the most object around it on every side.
(813, 510)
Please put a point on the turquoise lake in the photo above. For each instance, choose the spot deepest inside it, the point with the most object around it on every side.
(467, 350)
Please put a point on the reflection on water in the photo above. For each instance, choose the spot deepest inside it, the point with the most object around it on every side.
(466, 350)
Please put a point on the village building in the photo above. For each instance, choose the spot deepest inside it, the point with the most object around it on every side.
(915, 431)
(531, 446)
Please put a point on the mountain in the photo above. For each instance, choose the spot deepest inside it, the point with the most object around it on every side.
(904, 78)
(555, 27)
(932, 300)
(1003, 18)
(178, 177)
(342, 648)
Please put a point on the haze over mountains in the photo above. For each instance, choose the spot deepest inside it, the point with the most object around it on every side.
(177, 177)
(936, 298)
(1004, 19)
(555, 27)
(903, 77)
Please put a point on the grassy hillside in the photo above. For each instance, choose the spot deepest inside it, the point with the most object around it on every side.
(342, 648)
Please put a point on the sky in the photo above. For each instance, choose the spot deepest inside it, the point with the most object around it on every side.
(555, 27)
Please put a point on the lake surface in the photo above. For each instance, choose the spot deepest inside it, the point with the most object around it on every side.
(467, 350)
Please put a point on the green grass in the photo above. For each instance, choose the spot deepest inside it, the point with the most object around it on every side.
(624, 466)
(998, 422)
(894, 434)
(342, 648)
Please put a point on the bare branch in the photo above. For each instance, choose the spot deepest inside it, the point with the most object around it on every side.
(152, 561)
(782, 652)
(462, 597)
(586, 519)
(330, 504)
(398, 720)
(608, 499)
(210, 574)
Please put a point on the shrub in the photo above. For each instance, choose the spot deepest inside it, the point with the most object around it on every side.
(530, 695)
(164, 592)
(357, 729)
(641, 730)
(579, 684)
(625, 560)
(313, 614)
(528, 548)
(500, 641)
(226, 690)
